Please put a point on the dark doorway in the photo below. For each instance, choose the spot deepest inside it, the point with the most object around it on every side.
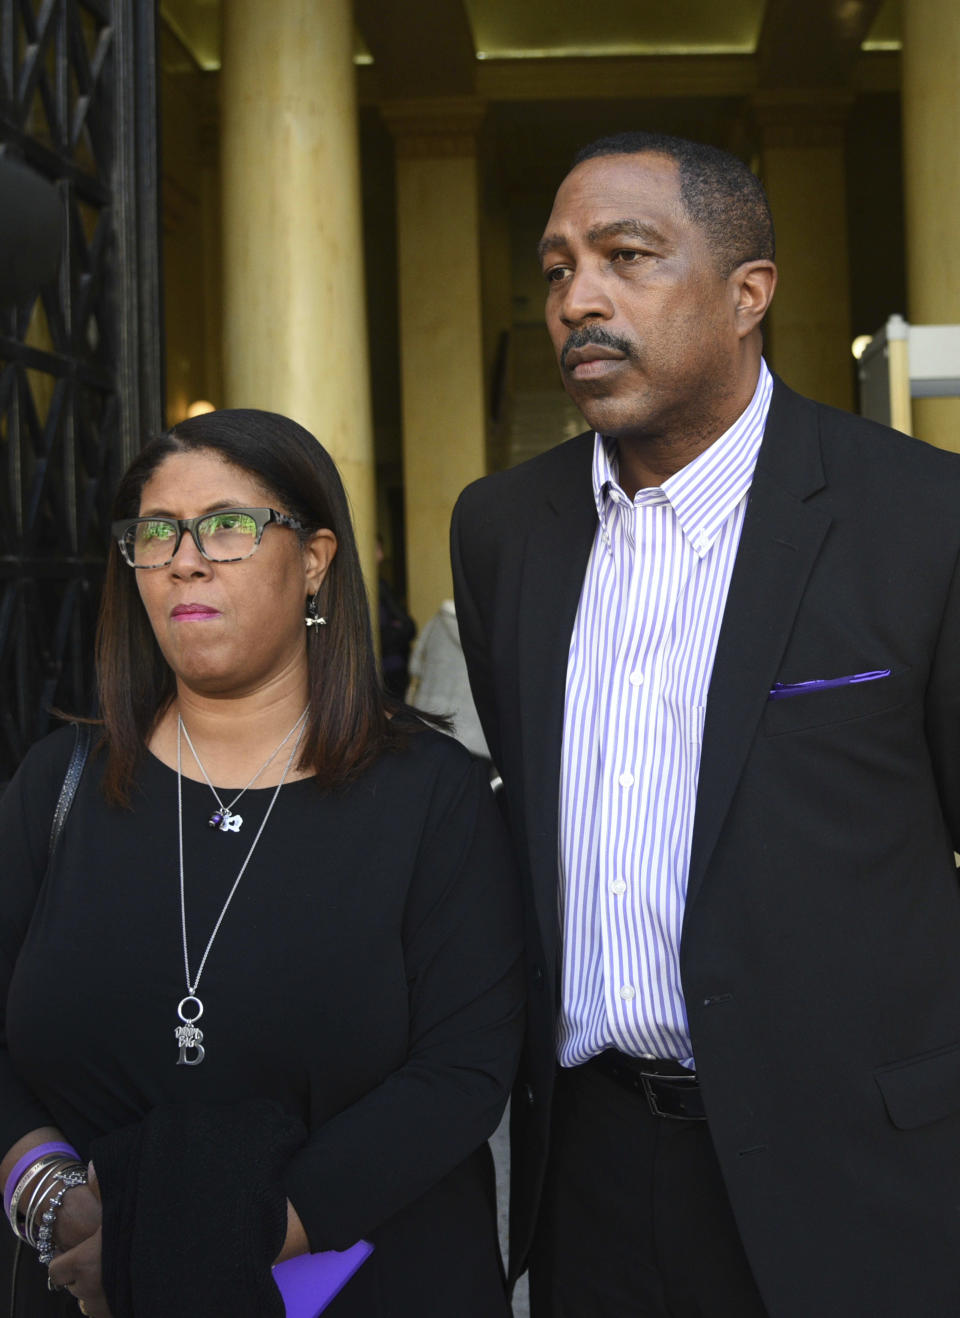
(81, 363)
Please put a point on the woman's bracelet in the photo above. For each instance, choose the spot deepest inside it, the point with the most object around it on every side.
(71, 1177)
(34, 1190)
(33, 1155)
(38, 1191)
(25, 1181)
(41, 1198)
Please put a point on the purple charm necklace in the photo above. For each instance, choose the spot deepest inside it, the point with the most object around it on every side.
(223, 817)
(188, 1033)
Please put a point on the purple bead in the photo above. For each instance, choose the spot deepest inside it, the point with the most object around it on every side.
(215, 820)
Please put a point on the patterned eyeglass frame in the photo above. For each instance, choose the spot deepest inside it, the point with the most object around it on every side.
(262, 518)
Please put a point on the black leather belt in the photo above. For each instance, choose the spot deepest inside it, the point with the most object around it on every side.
(670, 1091)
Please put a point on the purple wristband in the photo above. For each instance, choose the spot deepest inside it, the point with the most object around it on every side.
(28, 1159)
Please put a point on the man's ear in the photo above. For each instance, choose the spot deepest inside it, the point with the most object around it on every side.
(752, 285)
(318, 554)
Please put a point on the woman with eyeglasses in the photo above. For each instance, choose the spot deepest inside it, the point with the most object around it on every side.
(262, 995)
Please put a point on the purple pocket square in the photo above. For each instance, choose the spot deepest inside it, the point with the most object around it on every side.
(309, 1282)
(783, 690)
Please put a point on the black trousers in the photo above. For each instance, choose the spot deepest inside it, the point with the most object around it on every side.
(635, 1221)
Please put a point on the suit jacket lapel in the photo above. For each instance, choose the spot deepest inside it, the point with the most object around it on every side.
(781, 537)
(557, 549)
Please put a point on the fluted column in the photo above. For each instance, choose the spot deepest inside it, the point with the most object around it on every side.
(441, 339)
(294, 336)
(803, 172)
(931, 163)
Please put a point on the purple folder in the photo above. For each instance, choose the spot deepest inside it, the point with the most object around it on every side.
(309, 1282)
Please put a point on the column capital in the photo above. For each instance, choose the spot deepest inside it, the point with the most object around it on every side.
(793, 117)
(436, 127)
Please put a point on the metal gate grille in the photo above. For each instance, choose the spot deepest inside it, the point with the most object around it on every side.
(80, 365)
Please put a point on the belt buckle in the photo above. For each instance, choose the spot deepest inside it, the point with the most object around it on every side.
(647, 1081)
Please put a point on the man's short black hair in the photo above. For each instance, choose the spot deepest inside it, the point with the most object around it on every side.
(718, 192)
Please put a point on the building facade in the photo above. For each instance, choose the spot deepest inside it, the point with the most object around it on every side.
(352, 190)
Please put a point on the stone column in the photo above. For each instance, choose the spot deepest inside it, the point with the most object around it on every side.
(803, 172)
(441, 338)
(931, 162)
(294, 331)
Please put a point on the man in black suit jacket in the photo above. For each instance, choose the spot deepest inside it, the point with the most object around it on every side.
(820, 947)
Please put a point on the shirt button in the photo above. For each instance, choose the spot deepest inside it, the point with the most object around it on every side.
(625, 780)
(628, 993)
(636, 678)
(618, 886)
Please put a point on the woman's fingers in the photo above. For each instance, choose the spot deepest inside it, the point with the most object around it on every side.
(93, 1310)
(78, 1271)
(78, 1217)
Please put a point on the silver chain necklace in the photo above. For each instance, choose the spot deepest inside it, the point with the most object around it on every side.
(223, 817)
(188, 1034)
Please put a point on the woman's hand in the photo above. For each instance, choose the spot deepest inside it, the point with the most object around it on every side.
(296, 1241)
(79, 1215)
(78, 1235)
(78, 1270)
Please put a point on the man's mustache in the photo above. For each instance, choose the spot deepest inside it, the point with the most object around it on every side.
(597, 335)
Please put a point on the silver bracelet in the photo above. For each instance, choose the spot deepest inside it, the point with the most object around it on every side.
(74, 1176)
(43, 1183)
(27, 1179)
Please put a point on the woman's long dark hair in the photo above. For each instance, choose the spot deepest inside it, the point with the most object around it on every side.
(348, 726)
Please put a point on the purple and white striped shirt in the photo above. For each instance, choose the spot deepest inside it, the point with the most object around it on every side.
(639, 667)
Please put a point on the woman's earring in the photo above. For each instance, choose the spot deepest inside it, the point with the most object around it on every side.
(313, 616)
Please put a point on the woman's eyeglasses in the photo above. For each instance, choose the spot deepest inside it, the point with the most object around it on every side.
(226, 536)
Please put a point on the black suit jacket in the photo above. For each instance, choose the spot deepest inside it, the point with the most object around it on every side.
(820, 953)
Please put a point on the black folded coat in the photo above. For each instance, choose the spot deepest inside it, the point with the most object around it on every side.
(194, 1211)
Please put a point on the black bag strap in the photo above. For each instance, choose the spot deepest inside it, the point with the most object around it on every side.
(71, 780)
